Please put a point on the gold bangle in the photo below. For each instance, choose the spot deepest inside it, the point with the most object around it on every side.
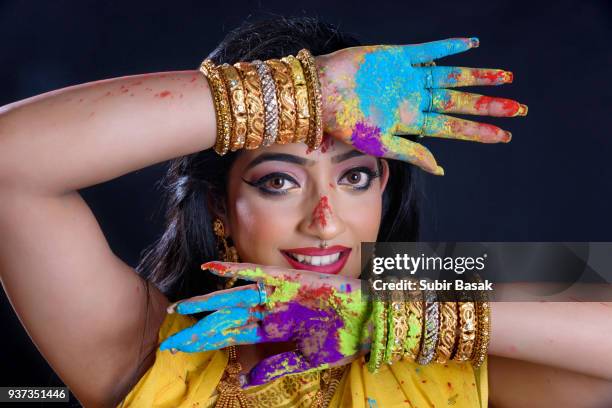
(315, 132)
(238, 105)
(222, 105)
(301, 98)
(399, 315)
(254, 104)
(448, 331)
(483, 312)
(483, 327)
(412, 344)
(286, 98)
(467, 331)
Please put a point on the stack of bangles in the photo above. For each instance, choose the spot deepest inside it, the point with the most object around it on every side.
(261, 103)
(415, 326)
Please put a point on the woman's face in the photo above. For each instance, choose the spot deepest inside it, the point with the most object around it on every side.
(285, 203)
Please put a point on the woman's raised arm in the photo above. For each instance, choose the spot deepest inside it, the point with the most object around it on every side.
(83, 307)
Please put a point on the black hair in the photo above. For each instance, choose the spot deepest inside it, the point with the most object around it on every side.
(196, 184)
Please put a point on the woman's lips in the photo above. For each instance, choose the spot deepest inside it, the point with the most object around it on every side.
(297, 258)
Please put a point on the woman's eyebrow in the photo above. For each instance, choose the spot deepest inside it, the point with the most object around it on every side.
(290, 158)
(280, 157)
(345, 156)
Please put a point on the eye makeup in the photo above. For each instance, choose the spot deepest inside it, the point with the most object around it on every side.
(358, 178)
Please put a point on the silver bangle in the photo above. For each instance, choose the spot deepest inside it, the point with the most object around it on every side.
(430, 330)
(270, 102)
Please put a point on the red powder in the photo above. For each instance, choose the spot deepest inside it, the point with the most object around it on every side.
(509, 106)
(216, 266)
(455, 75)
(318, 214)
(326, 143)
(164, 94)
(490, 76)
(193, 79)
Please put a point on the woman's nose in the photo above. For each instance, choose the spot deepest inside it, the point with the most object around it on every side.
(323, 221)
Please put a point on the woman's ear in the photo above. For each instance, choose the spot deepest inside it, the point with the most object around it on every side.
(384, 176)
(218, 209)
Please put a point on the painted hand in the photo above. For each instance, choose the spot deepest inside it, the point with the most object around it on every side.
(323, 314)
(374, 94)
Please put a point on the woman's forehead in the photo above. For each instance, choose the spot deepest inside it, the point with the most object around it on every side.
(329, 148)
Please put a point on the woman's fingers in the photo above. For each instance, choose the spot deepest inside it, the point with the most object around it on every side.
(277, 366)
(447, 101)
(436, 125)
(243, 296)
(422, 53)
(245, 271)
(276, 276)
(398, 148)
(452, 77)
(216, 329)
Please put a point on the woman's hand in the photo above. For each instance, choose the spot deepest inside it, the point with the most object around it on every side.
(323, 314)
(372, 94)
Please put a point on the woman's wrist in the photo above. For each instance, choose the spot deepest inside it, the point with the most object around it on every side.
(260, 103)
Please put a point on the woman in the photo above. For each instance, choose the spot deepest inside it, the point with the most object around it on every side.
(99, 323)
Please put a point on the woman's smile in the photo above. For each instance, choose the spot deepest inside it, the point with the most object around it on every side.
(323, 260)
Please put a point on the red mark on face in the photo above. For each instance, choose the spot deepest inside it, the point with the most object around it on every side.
(163, 94)
(193, 79)
(326, 143)
(318, 214)
(331, 185)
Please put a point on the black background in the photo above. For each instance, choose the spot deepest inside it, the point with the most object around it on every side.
(551, 183)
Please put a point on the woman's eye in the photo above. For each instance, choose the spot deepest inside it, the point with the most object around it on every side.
(358, 178)
(275, 183)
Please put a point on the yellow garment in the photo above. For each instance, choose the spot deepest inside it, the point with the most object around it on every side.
(190, 379)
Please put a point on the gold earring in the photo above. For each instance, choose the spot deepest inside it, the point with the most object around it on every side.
(227, 253)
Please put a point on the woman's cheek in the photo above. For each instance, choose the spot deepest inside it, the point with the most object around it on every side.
(259, 231)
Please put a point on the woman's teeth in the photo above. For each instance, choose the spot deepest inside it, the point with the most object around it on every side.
(317, 260)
